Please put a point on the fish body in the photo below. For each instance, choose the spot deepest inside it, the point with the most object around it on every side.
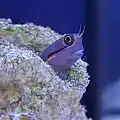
(64, 52)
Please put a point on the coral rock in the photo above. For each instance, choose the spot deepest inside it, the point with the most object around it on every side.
(29, 87)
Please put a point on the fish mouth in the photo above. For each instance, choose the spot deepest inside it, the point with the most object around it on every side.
(79, 53)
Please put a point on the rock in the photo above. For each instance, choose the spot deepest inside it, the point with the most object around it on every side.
(29, 87)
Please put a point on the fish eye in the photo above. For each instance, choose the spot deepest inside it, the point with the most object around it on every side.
(68, 39)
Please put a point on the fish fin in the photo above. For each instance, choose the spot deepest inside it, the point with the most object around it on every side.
(63, 75)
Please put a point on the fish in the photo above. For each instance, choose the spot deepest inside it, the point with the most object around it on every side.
(64, 52)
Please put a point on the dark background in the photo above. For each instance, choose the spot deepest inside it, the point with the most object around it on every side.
(101, 38)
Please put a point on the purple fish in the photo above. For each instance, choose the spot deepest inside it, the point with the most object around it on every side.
(64, 52)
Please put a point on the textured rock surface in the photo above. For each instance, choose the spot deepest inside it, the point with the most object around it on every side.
(29, 88)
